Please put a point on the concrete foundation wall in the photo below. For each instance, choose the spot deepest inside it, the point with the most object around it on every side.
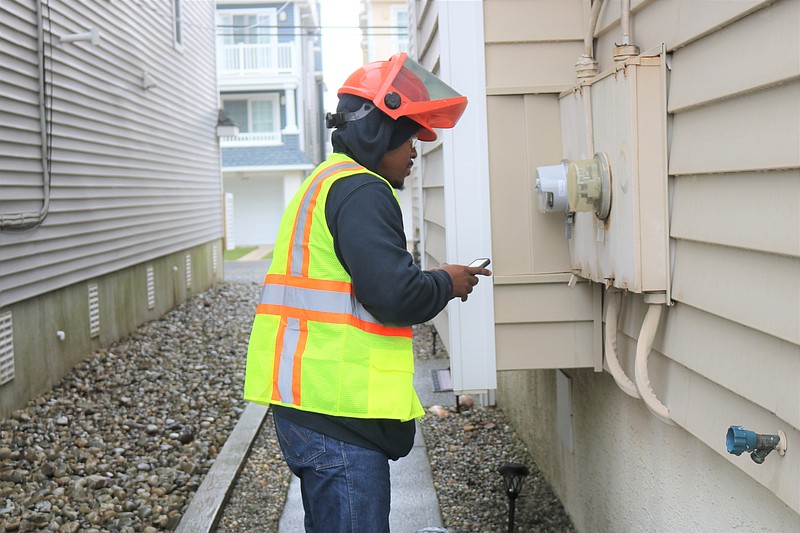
(41, 358)
(652, 478)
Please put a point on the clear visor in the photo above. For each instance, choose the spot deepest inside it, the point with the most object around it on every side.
(419, 85)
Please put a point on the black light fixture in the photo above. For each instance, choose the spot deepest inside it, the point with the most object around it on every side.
(513, 477)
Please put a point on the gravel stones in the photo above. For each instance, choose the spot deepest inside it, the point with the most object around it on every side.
(465, 450)
(259, 494)
(125, 439)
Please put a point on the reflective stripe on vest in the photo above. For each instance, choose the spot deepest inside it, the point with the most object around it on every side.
(305, 298)
(298, 256)
(299, 299)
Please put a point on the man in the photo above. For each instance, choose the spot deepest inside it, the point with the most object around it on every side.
(330, 349)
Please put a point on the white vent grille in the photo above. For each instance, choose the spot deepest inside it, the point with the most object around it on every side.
(6, 348)
(94, 310)
(151, 288)
(188, 271)
(214, 259)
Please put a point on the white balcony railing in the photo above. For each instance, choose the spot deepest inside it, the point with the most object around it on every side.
(252, 139)
(265, 59)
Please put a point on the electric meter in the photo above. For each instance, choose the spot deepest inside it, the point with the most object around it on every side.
(589, 185)
(551, 188)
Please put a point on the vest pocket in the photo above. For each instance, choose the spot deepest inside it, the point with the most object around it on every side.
(391, 384)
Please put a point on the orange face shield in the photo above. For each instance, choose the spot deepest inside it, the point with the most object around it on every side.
(400, 87)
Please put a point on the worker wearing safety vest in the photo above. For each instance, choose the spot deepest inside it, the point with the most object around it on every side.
(330, 348)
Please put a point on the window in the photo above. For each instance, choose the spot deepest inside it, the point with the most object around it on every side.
(247, 28)
(399, 18)
(258, 118)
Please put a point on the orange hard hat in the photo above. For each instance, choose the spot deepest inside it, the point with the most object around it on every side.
(401, 87)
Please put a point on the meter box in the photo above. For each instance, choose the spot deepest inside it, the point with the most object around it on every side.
(614, 173)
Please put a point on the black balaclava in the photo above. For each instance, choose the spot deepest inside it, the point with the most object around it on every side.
(367, 139)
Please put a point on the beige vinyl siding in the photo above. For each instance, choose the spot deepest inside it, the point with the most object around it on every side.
(756, 131)
(530, 52)
(546, 67)
(513, 21)
(676, 23)
(730, 344)
(728, 351)
(525, 241)
(751, 210)
(557, 332)
(135, 172)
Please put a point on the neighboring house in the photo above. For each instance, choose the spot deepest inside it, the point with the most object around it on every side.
(270, 83)
(625, 402)
(110, 186)
(384, 30)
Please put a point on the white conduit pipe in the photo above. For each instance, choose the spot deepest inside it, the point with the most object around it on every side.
(612, 321)
(625, 21)
(588, 36)
(643, 347)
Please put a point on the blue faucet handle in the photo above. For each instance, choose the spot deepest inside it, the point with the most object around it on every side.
(740, 440)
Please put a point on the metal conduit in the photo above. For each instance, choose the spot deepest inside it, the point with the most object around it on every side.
(31, 219)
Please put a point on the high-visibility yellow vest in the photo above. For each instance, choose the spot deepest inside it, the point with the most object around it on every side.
(313, 345)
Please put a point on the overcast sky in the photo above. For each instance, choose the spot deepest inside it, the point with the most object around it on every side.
(341, 48)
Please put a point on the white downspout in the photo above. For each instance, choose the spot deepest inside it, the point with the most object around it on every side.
(614, 368)
(643, 347)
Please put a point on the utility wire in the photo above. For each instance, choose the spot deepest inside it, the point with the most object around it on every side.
(169, 16)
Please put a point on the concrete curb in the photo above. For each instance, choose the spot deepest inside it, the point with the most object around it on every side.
(205, 509)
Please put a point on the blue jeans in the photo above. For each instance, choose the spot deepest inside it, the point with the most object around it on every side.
(345, 488)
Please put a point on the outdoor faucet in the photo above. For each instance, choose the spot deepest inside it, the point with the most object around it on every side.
(759, 445)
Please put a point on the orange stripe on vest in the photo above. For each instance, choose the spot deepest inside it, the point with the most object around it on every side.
(330, 318)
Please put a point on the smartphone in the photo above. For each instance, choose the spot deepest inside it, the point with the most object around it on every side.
(481, 262)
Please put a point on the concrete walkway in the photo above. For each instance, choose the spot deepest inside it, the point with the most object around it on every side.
(414, 502)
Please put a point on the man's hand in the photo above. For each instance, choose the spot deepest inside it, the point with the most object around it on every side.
(464, 278)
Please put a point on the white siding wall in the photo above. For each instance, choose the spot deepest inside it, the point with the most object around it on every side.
(431, 163)
(135, 172)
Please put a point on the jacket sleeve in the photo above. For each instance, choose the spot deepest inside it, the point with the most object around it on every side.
(367, 227)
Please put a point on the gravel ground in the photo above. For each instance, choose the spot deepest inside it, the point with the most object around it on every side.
(258, 496)
(126, 438)
(465, 449)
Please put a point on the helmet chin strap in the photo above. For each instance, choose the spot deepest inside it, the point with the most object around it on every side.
(334, 120)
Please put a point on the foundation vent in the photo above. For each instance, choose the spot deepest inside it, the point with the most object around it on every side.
(94, 310)
(214, 259)
(6, 348)
(151, 288)
(188, 271)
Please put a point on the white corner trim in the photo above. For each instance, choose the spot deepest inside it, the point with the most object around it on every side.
(467, 202)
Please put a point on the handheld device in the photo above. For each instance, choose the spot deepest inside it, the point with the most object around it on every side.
(481, 262)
